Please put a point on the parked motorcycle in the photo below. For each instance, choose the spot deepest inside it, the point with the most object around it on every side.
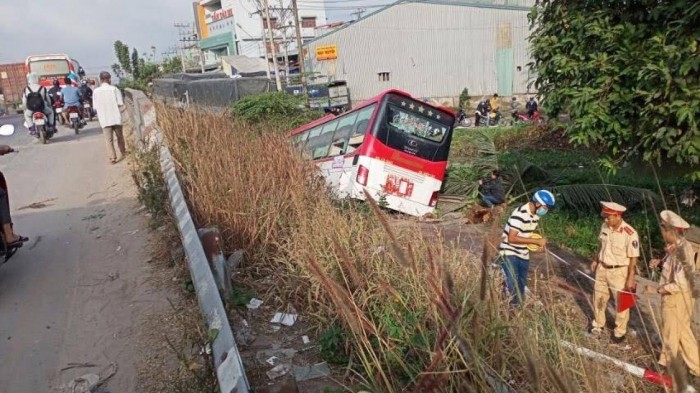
(41, 129)
(74, 118)
(462, 119)
(489, 119)
(524, 118)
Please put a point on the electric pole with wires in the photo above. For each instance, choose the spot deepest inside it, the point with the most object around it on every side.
(271, 37)
(300, 50)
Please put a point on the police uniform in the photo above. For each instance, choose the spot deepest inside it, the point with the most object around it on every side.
(677, 301)
(617, 247)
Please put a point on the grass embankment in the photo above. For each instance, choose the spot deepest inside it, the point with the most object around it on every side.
(402, 312)
(532, 158)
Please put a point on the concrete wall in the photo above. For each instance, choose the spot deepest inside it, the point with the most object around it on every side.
(431, 49)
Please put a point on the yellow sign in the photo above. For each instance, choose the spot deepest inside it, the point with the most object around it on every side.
(326, 52)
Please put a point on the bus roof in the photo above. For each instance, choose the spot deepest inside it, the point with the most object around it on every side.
(48, 57)
(366, 103)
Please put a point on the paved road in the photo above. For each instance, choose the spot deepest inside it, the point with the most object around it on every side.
(77, 291)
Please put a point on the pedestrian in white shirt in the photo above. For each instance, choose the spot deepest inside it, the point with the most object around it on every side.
(108, 103)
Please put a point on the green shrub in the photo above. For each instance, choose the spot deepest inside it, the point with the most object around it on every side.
(464, 99)
(277, 109)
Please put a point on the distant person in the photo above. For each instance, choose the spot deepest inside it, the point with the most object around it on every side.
(495, 104)
(482, 114)
(531, 107)
(514, 108)
(492, 192)
(108, 103)
(56, 99)
(35, 98)
(517, 235)
(676, 288)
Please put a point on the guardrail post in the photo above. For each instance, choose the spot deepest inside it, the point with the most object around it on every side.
(211, 241)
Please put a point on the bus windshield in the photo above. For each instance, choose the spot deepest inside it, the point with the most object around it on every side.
(49, 68)
(415, 128)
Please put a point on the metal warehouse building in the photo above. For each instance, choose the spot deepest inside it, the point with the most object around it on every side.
(430, 48)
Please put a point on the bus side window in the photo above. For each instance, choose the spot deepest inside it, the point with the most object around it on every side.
(320, 142)
(360, 128)
(342, 135)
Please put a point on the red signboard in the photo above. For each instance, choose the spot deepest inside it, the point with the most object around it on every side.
(222, 14)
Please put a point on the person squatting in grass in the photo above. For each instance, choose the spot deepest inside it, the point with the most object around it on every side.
(678, 291)
(614, 268)
(517, 235)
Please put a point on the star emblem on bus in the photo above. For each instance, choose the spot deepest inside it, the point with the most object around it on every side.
(412, 106)
(403, 103)
(421, 109)
(437, 117)
(430, 113)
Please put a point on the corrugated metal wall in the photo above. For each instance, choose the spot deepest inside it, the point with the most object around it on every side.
(430, 50)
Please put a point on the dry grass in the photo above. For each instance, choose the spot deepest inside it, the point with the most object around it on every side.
(419, 316)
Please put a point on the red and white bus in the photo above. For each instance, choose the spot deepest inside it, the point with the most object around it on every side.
(393, 145)
(49, 67)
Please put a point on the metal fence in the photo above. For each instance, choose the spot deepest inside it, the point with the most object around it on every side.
(208, 90)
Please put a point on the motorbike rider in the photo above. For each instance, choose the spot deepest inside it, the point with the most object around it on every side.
(531, 107)
(36, 99)
(72, 97)
(515, 108)
(56, 99)
(483, 111)
(86, 92)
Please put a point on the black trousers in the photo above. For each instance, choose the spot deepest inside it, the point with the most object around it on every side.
(4, 208)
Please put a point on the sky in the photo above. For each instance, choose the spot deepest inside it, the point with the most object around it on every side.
(86, 29)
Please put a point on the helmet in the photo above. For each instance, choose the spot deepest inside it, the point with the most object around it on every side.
(544, 197)
(56, 82)
(84, 82)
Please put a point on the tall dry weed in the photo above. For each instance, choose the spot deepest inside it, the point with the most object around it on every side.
(420, 316)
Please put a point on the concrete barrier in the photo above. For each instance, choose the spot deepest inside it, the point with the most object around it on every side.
(227, 359)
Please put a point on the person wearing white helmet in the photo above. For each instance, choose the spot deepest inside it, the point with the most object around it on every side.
(517, 235)
(678, 289)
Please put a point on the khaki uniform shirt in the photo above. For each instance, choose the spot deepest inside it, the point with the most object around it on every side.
(679, 263)
(618, 246)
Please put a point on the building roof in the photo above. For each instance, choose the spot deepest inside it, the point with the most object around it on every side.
(245, 64)
(463, 3)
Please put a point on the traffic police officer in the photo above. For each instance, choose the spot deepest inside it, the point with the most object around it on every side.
(614, 267)
(676, 287)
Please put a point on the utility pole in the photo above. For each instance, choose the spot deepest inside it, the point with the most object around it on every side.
(300, 50)
(264, 40)
(359, 12)
(272, 45)
(182, 32)
(284, 15)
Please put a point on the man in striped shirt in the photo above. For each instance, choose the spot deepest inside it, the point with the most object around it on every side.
(517, 235)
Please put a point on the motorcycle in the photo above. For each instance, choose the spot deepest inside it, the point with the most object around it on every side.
(525, 118)
(462, 120)
(488, 119)
(87, 110)
(74, 118)
(58, 110)
(41, 129)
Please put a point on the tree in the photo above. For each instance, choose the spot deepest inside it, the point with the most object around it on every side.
(135, 64)
(118, 72)
(627, 73)
(122, 52)
(171, 65)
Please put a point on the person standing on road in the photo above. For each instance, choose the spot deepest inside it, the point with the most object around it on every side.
(531, 107)
(11, 238)
(614, 268)
(517, 235)
(676, 288)
(108, 103)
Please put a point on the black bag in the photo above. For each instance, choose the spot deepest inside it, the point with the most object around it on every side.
(35, 101)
